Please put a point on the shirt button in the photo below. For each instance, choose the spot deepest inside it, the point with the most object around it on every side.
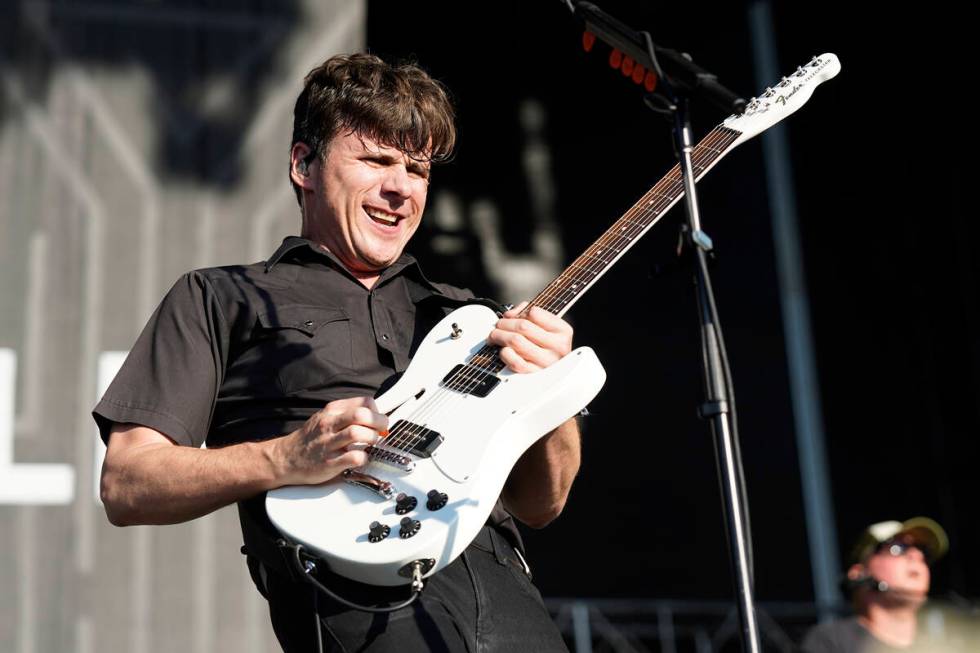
(308, 323)
(384, 336)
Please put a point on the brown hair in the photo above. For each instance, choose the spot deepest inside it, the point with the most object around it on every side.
(399, 106)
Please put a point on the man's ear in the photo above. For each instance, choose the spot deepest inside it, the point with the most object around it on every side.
(300, 165)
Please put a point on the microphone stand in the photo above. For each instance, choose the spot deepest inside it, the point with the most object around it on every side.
(717, 407)
(688, 80)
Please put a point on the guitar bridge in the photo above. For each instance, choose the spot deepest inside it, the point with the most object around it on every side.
(390, 458)
(383, 489)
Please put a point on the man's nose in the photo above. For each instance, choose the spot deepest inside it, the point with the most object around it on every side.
(397, 181)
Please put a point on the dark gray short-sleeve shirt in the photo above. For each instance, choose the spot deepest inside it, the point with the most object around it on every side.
(250, 352)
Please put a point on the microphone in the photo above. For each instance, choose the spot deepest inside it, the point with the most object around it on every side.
(869, 581)
(882, 587)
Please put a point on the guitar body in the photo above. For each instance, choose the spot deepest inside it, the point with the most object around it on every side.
(482, 439)
(461, 421)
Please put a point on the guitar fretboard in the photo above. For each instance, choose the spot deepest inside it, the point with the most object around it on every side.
(559, 295)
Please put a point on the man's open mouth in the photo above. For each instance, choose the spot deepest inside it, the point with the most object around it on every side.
(382, 217)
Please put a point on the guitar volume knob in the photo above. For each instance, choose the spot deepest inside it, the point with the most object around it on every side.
(436, 500)
(378, 532)
(409, 527)
(405, 503)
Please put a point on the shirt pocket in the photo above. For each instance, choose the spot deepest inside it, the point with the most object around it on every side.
(307, 347)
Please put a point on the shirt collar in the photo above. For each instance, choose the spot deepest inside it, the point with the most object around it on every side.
(296, 246)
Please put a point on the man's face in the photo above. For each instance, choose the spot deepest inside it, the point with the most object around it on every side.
(367, 201)
(901, 564)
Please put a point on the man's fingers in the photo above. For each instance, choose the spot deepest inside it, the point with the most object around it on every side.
(369, 417)
(514, 312)
(548, 321)
(517, 362)
(346, 459)
(361, 415)
(532, 332)
(545, 330)
(528, 350)
(545, 319)
(354, 435)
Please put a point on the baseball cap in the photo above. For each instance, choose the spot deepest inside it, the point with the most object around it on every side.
(923, 531)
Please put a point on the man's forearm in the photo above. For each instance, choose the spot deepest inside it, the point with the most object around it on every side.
(538, 486)
(148, 479)
(162, 483)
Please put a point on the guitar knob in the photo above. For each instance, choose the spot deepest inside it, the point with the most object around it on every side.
(378, 532)
(409, 527)
(436, 500)
(405, 503)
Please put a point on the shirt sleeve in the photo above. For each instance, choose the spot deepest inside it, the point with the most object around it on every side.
(170, 379)
(819, 639)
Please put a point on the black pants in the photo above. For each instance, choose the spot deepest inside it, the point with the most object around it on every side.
(482, 603)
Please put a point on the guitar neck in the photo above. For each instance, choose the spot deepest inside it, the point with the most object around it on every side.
(773, 105)
(559, 295)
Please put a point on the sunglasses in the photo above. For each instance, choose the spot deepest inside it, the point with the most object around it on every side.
(896, 548)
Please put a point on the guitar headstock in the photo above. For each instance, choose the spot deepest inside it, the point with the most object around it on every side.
(784, 98)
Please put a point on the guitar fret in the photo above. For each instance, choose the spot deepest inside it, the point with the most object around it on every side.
(568, 285)
(578, 276)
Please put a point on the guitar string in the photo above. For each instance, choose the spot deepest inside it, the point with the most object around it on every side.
(648, 210)
(704, 154)
(562, 296)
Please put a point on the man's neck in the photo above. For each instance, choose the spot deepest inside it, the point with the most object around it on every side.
(367, 279)
(894, 625)
(367, 282)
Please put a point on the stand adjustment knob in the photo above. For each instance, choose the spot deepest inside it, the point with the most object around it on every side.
(405, 503)
(436, 500)
(409, 527)
(378, 532)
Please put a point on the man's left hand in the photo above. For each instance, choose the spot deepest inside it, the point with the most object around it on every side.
(533, 341)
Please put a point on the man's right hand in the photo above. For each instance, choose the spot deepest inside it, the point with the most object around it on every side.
(330, 441)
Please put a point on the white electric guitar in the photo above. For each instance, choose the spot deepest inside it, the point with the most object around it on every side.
(459, 420)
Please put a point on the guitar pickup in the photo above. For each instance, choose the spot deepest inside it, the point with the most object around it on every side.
(471, 380)
(415, 440)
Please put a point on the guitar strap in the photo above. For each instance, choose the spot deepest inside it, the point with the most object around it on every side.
(443, 295)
